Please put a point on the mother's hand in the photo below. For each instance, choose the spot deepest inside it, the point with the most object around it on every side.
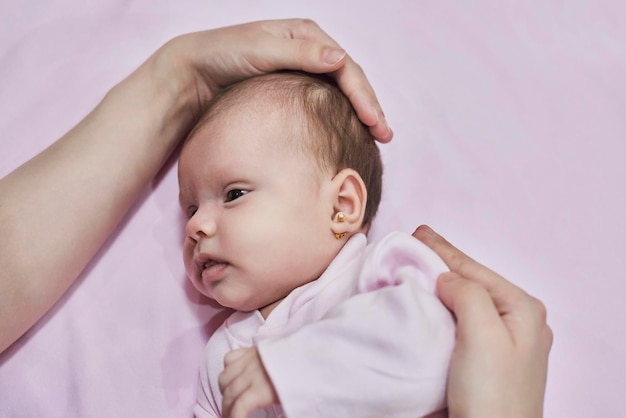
(123, 142)
(500, 360)
(237, 52)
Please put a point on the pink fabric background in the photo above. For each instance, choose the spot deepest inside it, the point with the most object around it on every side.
(510, 139)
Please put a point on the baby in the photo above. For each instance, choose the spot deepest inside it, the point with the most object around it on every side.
(280, 182)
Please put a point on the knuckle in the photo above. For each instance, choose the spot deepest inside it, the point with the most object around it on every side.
(473, 289)
(302, 49)
(231, 356)
(540, 309)
(533, 306)
(522, 302)
(245, 404)
(303, 28)
(457, 263)
(228, 394)
(308, 23)
(537, 315)
(469, 289)
(221, 382)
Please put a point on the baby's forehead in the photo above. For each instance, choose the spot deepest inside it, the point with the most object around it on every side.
(261, 115)
(255, 105)
(255, 101)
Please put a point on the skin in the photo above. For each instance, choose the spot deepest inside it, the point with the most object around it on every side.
(500, 361)
(239, 169)
(245, 384)
(227, 183)
(117, 156)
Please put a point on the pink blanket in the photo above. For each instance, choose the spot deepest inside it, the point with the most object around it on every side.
(510, 139)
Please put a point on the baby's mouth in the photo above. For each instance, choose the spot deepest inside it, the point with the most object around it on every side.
(212, 270)
(209, 264)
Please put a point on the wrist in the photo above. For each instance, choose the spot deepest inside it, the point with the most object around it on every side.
(160, 96)
(150, 111)
(174, 68)
(173, 75)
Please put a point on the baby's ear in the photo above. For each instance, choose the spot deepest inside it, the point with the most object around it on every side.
(349, 203)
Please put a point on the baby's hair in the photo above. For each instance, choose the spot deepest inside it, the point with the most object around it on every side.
(338, 139)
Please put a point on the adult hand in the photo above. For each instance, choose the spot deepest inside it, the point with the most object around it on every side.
(500, 360)
(242, 51)
(244, 383)
(117, 154)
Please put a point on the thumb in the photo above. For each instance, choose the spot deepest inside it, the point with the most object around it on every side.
(298, 54)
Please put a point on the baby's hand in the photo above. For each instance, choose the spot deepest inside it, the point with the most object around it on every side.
(244, 383)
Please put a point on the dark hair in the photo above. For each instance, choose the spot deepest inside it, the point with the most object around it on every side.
(338, 139)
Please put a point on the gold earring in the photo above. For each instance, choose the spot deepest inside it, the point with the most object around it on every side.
(339, 236)
(341, 217)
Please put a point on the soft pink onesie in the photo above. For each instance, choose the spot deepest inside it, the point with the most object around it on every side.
(369, 338)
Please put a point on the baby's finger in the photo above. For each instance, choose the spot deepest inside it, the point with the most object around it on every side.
(234, 355)
(233, 368)
(247, 402)
(232, 394)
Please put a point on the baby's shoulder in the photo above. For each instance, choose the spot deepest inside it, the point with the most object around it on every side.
(405, 246)
(398, 257)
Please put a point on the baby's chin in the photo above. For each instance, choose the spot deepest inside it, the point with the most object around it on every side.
(243, 306)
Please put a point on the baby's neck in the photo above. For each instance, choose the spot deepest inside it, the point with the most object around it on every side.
(267, 310)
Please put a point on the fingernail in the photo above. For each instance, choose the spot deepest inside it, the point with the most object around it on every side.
(390, 135)
(380, 119)
(427, 231)
(377, 114)
(425, 234)
(333, 55)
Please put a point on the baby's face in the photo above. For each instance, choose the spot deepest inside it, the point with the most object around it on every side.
(259, 212)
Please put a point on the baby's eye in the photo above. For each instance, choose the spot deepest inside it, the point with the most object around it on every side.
(191, 210)
(234, 194)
